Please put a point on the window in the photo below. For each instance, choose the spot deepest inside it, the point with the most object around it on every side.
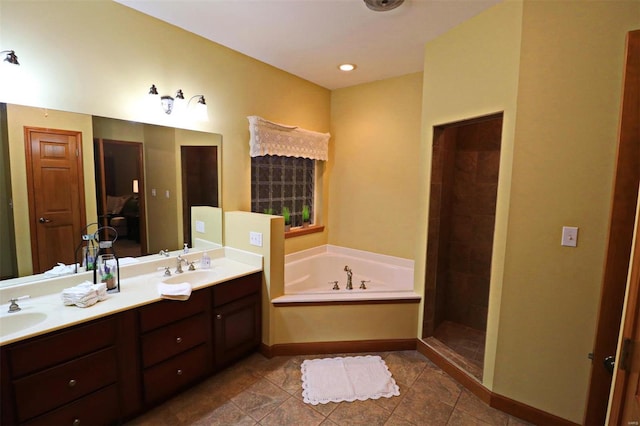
(278, 181)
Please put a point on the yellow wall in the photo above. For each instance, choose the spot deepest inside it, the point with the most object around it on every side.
(563, 164)
(308, 324)
(374, 168)
(105, 57)
(480, 79)
(559, 66)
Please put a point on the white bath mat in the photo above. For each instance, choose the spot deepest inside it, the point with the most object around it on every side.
(346, 379)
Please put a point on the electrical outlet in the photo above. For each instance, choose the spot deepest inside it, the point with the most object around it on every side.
(166, 193)
(255, 239)
(570, 236)
(153, 192)
(200, 226)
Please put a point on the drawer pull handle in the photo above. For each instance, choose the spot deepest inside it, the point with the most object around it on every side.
(76, 422)
(219, 317)
(72, 383)
(178, 339)
(179, 372)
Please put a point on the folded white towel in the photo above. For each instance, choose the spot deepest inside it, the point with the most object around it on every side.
(84, 295)
(100, 288)
(180, 291)
(60, 270)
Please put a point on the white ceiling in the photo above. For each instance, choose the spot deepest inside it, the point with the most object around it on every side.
(310, 38)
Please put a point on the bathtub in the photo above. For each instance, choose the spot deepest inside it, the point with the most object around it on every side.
(309, 277)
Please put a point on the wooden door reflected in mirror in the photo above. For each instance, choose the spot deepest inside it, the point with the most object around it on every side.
(120, 194)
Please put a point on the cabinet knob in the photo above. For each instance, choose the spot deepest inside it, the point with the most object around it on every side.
(178, 339)
(72, 383)
(179, 372)
(76, 422)
(219, 317)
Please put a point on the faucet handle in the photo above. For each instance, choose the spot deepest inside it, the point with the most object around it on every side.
(191, 266)
(13, 307)
(335, 285)
(167, 272)
(362, 282)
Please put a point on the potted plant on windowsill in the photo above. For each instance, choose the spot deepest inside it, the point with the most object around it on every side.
(306, 216)
(286, 213)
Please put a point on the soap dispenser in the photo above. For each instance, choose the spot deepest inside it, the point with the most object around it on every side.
(205, 261)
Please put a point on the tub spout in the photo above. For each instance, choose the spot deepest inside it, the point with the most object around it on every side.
(349, 278)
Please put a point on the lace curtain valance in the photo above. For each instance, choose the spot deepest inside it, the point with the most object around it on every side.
(268, 138)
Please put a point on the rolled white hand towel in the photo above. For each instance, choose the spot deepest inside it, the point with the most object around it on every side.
(180, 291)
(60, 269)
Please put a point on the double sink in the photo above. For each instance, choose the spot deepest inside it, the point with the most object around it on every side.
(28, 317)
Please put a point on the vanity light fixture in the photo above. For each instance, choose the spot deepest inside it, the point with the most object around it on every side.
(347, 67)
(171, 104)
(11, 57)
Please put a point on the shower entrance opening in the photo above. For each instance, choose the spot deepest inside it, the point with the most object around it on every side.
(462, 209)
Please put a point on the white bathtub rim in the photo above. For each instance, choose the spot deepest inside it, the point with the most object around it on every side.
(350, 297)
(345, 251)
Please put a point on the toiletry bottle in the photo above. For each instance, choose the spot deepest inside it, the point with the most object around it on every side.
(205, 261)
(186, 248)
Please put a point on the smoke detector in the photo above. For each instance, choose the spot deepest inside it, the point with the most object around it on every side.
(383, 5)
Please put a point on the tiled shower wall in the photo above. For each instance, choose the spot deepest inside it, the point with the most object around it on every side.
(464, 183)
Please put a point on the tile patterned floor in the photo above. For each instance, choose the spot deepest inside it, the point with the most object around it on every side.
(268, 392)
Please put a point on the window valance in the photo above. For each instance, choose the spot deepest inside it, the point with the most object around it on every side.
(268, 138)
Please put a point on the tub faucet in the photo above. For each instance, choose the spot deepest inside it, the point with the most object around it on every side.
(349, 277)
(179, 259)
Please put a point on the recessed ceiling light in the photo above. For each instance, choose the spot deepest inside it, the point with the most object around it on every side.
(347, 67)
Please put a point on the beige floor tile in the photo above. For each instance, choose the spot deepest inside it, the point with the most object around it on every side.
(260, 399)
(472, 405)
(293, 412)
(360, 413)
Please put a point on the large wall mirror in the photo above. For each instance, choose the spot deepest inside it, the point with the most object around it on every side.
(139, 179)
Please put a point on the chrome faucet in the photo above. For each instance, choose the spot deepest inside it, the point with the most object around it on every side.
(349, 277)
(13, 307)
(179, 265)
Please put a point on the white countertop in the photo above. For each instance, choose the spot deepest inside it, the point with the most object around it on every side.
(138, 287)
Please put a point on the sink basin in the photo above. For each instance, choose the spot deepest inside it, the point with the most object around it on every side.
(191, 277)
(12, 323)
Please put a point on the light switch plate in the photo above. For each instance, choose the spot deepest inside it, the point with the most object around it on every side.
(255, 239)
(570, 236)
(200, 226)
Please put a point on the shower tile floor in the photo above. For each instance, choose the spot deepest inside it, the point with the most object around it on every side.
(463, 345)
(266, 392)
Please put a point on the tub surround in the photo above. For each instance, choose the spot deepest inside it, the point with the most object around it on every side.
(310, 274)
(360, 320)
(138, 287)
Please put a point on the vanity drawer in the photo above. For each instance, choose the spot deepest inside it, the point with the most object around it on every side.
(164, 379)
(98, 408)
(43, 352)
(59, 385)
(229, 291)
(167, 311)
(170, 340)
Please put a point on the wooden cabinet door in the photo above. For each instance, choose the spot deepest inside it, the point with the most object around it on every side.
(236, 329)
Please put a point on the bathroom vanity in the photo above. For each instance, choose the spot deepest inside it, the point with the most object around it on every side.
(117, 366)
